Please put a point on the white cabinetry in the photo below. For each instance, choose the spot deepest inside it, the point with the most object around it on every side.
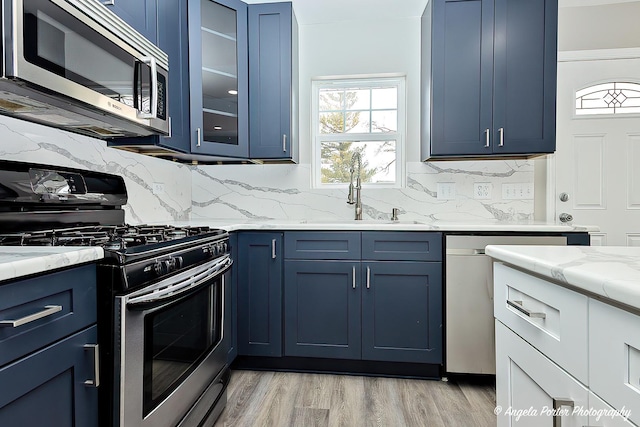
(560, 353)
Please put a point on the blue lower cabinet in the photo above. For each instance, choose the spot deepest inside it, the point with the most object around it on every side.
(402, 311)
(231, 302)
(259, 270)
(322, 309)
(48, 387)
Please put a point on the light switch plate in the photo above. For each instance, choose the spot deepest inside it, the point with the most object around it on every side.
(446, 190)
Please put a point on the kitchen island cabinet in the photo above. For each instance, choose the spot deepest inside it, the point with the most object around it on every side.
(48, 349)
(259, 270)
(488, 78)
(567, 332)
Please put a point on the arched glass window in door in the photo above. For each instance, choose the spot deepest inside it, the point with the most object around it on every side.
(609, 98)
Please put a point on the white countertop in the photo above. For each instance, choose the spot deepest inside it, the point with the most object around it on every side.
(18, 261)
(612, 272)
(386, 225)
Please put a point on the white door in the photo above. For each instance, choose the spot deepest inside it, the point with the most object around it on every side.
(597, 161)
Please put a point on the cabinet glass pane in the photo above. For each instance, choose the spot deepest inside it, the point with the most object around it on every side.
(219, 73)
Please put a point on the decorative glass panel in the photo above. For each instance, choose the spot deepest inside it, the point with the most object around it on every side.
(609, 98)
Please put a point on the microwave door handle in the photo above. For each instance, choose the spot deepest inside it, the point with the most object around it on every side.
(177, 291)
(151, 62)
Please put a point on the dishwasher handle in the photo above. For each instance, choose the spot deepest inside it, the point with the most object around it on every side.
(465, 251)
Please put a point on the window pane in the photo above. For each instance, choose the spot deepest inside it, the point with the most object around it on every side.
(384, 98)
(357, 121)
(378, 161)
(331, 99)
(384, 121)
(358, 99)
(608, 98)
(332, 122)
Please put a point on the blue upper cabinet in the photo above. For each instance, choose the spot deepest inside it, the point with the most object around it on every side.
(488, 77)
(218, 78)
(273, 77)
(140, 14)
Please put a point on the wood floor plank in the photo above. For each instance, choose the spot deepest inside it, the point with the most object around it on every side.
(418, 405)
(316, 391)
(282, 399)
(347, 402)
(310, 417)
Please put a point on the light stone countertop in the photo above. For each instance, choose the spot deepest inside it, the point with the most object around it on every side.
(387, 225)
(612, 272)
(18, 261)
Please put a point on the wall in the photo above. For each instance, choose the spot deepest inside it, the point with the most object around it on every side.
(28, 142)
(360, 48)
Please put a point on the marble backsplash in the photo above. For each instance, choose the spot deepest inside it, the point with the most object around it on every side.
(270, 191)
(28, 142)
(284, 192)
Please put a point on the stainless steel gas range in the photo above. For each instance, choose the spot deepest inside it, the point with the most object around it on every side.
(160, 293)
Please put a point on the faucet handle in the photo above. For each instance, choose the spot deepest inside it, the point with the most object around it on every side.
(394, 214)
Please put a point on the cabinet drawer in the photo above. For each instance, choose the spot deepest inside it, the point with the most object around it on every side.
(614, 354)
(401, 246)
(526, 380)
(557, 325)
(322, 245)
(66, 300)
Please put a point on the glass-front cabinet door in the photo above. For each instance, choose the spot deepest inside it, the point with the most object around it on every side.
(218, 71)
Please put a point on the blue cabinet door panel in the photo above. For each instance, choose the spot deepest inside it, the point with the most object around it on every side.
(322, 309)
(462, 82)
(73, 290)
(322, 245)
(140, 14)
(259, 294)
(401, 246)
(231, 302)
(270, 80)
(47, 388)
(402, 312)
(525, 75)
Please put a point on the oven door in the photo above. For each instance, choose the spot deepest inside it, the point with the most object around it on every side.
(169, 345)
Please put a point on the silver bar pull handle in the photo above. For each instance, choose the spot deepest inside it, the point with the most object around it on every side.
(353, 277)
(557, 404)
(48, 311)
(501, 137)
(368, 277)
(487, 138)
(109, 2)
(273, 249)
(95, 382)
(198, 137)
(151, 62)
(284, 142)
(518, 306)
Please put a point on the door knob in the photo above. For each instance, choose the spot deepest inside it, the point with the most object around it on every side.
(564, 197)
(565, 217)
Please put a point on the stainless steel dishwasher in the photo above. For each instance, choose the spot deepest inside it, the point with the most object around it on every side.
(470, 342)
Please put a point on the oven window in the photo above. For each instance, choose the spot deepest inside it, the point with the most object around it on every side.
(177, 338)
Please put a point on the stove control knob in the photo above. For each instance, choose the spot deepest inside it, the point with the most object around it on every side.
(225, 247)
(209, 250)
(179, 262)
(170, 265)
(157, 268)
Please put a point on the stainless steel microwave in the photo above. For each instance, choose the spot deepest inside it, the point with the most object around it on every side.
(75, 65)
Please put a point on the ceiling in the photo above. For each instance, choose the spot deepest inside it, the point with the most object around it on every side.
(328, 11)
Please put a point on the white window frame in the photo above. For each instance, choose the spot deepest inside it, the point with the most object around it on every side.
(398, 136)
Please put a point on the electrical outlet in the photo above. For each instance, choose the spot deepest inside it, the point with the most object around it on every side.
(157, 188)
(482, 190)
(446, 190)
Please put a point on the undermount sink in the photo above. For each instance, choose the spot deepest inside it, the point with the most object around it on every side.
(359, 221)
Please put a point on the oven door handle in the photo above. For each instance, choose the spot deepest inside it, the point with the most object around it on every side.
(176, 291)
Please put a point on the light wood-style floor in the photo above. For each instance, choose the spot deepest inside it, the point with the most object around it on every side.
(282, 399)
